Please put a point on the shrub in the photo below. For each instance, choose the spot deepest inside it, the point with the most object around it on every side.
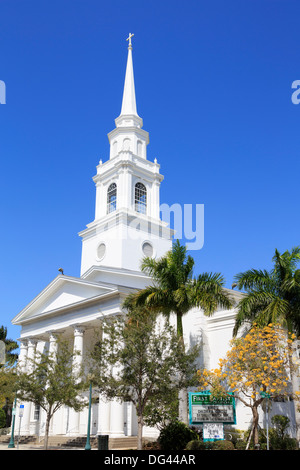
(2, 418)
(234, 435)
(279, 438)
(175, 436)
(282, 443)
(151, 445)
(223, 445)
(198, 444)
(240, 444)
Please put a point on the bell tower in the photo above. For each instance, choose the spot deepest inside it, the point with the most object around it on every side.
(127, 223)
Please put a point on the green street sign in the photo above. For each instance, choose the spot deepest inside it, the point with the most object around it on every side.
(265, 395)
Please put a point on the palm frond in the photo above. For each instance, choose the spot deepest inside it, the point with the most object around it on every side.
(276, 312)
(209, 293)
(254, 279)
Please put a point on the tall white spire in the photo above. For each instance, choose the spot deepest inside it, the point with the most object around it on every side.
(127, 223)
(129, 100)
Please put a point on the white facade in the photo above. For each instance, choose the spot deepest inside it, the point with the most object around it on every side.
(126, 227)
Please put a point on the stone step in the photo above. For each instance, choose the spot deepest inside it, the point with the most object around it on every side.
(129, 442)
(22, 440)
(123, 443)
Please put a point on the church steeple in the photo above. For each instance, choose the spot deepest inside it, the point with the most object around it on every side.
(127, 223)
(129, 101)
(129, 115)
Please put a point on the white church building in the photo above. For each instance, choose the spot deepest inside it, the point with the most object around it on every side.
(127, 227)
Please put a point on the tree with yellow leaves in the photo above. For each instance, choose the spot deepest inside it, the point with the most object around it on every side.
(257, 365)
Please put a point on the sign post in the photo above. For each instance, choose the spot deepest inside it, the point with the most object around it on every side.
(212, 413)
(267, 396)
(21, 412)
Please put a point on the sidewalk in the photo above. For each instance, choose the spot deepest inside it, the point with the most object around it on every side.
(36, 447)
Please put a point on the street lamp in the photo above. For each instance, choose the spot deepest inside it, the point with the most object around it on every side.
(267, 396)
(11, 444)
(88, 445)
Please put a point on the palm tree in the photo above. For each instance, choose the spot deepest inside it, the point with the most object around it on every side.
(174, 290)
(271, 296)
(10, 346)
(10, 357)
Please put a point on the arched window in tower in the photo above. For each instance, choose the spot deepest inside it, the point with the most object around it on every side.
(112, 198)
(140, 198)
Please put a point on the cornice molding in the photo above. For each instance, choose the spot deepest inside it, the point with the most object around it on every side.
(66, 308)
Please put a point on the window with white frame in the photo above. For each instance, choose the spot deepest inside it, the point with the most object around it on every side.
(140, 198)
(36, 415)
(112, 198)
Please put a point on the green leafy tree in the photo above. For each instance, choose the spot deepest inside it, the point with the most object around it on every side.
(7, 385)
(273, 296)
(10, 346)
(8, 358)
(52, 383)
(175, 290)
(160, 413)
(138, 361)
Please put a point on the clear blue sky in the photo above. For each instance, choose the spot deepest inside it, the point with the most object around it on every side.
(213, 85)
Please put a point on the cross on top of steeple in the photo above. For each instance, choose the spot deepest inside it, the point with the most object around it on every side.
(129, 39)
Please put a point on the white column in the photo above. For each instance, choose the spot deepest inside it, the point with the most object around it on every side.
(52, 343)
(128, 417)
(40, 347)
(23, 355)
(154, 212)
(99, 200)
(116, 419)
(122, 194)
(52, 349)
(30, 355)
(103, 416)
(25, 424)
(78, 348)
(103, 406)
(77, 362)
(117, 415)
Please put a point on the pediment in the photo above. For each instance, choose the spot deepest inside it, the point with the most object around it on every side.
(108, 276)
(63, 291)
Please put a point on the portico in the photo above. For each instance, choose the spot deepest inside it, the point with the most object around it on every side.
(108, 417)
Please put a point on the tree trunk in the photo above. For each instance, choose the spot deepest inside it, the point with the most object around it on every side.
(140, 433)
(48, 418)
(249, 438)
(179, 326)
(183, 407)
(182, 395)
(255, 426)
